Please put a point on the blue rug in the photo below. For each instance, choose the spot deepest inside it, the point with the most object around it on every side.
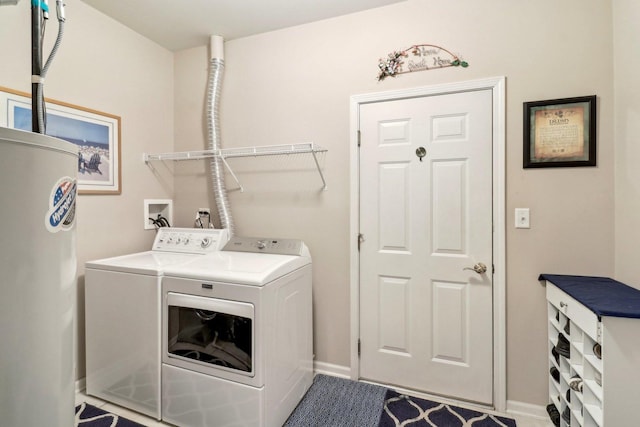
(401, 410)
(338, 402)
(90, 416)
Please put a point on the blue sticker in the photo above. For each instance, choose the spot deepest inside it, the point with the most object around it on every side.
(62, 205)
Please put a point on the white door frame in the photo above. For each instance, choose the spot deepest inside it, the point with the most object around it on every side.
(497, 86)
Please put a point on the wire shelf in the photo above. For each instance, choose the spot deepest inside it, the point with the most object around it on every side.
(267, 150)
(229, 153)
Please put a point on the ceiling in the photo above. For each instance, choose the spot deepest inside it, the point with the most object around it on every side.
(182, 24)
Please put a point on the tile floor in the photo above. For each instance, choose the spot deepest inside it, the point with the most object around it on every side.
(521, 421)
(118, 410)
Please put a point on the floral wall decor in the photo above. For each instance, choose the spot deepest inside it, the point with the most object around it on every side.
(418, 57)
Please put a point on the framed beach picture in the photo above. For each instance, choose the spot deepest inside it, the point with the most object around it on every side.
(96, 134)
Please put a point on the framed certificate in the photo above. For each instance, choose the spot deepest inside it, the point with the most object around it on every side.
(560, 133)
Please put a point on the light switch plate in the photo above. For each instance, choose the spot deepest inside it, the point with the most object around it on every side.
(522, 218)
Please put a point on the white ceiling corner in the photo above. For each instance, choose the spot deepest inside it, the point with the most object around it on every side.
(182, 24)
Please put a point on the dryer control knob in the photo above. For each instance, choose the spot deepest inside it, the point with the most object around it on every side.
(205, 242)
(261, 244)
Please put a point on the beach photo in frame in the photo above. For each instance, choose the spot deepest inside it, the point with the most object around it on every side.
(96, 134)
(560, 132)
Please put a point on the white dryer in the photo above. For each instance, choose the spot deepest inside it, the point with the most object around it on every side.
(237, 335)
(122, 317)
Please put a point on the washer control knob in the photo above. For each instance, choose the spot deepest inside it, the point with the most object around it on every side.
(206, 242)
(261, 244)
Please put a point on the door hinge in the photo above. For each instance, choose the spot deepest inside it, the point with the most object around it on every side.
(360, 240)
(493, 269)
(359, 347)
(359, 138)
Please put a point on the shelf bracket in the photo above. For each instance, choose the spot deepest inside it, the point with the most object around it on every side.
(315, 159)
(232, 174)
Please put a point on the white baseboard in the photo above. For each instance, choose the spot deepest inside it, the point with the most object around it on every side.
(81, 385)
(331, 369)
(526, 409)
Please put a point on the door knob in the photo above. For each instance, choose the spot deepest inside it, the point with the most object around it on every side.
(479, 268)
(421, 152)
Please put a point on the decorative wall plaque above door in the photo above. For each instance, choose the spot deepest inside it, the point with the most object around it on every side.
(419, 57)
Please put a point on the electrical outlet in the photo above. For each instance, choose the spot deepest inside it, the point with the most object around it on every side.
(522, 218)
(203, 218)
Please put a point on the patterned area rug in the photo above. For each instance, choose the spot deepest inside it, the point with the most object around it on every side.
(90, 416)
(338, 402)
(400, 410)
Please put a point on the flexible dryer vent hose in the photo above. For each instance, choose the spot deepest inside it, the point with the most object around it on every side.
(216, 71)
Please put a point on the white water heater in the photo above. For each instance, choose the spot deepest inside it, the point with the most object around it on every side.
(38, 182)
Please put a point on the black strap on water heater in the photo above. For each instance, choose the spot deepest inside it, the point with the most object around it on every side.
(36, 63)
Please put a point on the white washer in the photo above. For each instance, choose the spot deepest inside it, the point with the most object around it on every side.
(237, 335)
(122, 314)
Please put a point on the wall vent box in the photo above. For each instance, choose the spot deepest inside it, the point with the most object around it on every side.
(155, 207)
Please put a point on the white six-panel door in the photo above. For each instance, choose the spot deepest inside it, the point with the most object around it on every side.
(426, 222)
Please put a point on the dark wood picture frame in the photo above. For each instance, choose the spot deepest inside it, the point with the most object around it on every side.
(560, 133)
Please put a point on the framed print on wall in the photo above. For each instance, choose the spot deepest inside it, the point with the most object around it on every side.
(96, 134)
(560, 133)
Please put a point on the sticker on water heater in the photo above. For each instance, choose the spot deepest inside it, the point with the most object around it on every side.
(62, 205)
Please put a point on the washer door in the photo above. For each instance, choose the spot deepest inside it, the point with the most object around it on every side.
(209, 334)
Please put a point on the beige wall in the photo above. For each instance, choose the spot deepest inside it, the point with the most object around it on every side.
(294, 85)
(106, 67)
(627, 128)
